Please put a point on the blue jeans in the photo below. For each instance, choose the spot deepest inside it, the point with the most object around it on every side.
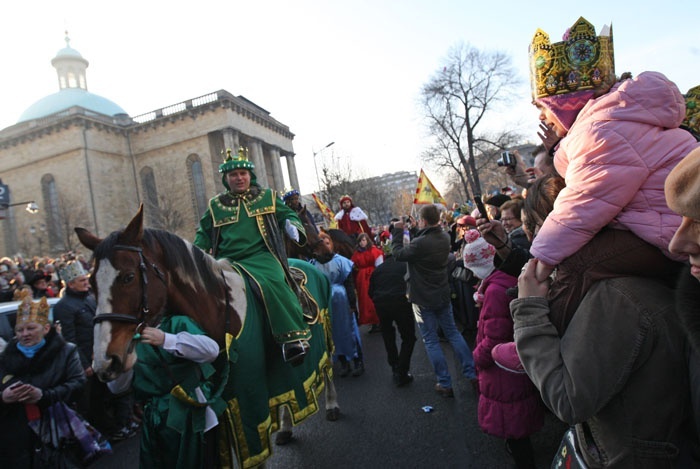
(428, 320)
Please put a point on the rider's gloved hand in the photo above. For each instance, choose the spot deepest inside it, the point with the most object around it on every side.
(291, 230)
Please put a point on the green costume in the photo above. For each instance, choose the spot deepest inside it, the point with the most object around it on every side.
(173, 419)
(246, 229)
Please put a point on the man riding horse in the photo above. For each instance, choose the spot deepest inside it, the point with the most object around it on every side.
(244, 224)
(292, 199)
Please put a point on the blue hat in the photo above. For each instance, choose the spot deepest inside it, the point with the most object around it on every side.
(289, 193)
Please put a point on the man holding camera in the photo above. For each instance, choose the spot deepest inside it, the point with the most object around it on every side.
(429, 292)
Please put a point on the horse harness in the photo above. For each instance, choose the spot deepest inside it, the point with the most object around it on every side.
(140, 319)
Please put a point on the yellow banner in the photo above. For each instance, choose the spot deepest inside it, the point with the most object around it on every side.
(426, 193)
(327, 212)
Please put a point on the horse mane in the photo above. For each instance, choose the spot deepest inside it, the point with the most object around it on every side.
(192, 264)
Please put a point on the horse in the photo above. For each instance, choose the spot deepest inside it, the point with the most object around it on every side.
(142, 274)
(342, 243)
(314, 248)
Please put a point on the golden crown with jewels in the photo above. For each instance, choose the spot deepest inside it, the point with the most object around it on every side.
(582, 61)
(692, 110)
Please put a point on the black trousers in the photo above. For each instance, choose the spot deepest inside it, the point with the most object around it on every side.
(399, 312)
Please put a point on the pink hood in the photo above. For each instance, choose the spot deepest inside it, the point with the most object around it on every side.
(615, 160)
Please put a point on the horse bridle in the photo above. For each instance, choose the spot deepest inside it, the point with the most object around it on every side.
(140, 318)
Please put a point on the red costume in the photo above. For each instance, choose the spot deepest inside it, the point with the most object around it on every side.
(353, 220)
(365, 261)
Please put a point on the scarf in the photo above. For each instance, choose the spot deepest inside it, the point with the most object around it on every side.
(30, 351)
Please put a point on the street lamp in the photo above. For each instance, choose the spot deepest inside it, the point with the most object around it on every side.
(31, 207)
(318, 183)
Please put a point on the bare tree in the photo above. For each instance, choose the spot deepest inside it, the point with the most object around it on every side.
(456, 100)
(165, 216)
(336, 181)
(403, 203)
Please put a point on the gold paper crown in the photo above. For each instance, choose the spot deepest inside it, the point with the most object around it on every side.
(692, 110)
(240, 161)
(29, 311)
(583, 61)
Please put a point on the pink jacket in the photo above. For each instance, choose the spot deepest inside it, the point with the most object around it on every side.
(509, 404)
(615, 159)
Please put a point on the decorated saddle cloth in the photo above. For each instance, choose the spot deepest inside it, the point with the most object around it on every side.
(260, 382)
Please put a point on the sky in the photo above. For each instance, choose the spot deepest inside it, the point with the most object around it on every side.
(343, 72)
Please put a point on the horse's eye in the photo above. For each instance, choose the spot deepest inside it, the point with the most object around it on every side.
(128, 278)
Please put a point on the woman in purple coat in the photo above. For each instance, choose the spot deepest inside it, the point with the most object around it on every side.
(509, 404)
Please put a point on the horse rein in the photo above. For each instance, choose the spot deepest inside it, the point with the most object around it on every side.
(140, 319)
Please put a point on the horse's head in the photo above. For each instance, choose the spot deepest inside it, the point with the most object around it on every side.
(131, 293)
(315, 247)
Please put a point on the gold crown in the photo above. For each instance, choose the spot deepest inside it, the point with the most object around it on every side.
(582, 61)
(240, 161)
(28, 311)
(692, 109)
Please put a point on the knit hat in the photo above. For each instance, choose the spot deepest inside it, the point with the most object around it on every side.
(71, 271)
(478, 254)
(566, 106)
(682, 186)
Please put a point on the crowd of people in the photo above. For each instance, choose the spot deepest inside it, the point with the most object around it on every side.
(578, 295)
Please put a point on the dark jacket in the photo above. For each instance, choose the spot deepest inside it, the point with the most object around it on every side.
(387, 282)
(426, 256)
(76, 311)
(687, 307)
(56, 370)
(619, 374)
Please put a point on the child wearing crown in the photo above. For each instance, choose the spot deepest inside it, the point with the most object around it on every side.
(619, 141)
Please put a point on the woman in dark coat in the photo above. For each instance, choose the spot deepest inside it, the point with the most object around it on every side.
(37, 368)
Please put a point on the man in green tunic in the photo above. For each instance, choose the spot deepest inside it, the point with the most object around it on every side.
(244, 224)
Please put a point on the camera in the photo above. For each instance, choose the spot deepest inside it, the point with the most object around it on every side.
(506, 159)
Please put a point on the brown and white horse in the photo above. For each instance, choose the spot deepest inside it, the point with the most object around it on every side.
(140, 275)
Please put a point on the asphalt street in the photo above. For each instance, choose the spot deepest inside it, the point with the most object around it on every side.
(384, 426)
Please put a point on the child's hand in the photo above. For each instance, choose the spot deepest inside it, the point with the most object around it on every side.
(548, 136)
(153, 336)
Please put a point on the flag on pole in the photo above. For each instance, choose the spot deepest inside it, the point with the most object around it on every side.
(426, 192)
(325, 211)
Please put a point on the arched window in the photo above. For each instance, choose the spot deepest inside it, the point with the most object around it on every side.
(197, 188)
(72, 82)
(150, 196)
(52, 212)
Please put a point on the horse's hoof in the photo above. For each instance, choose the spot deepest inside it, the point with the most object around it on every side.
(333, 414)
(283, 437)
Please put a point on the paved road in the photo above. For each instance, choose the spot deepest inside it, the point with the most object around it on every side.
(383, 426)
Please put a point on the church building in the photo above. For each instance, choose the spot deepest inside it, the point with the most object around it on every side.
(85, 162)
